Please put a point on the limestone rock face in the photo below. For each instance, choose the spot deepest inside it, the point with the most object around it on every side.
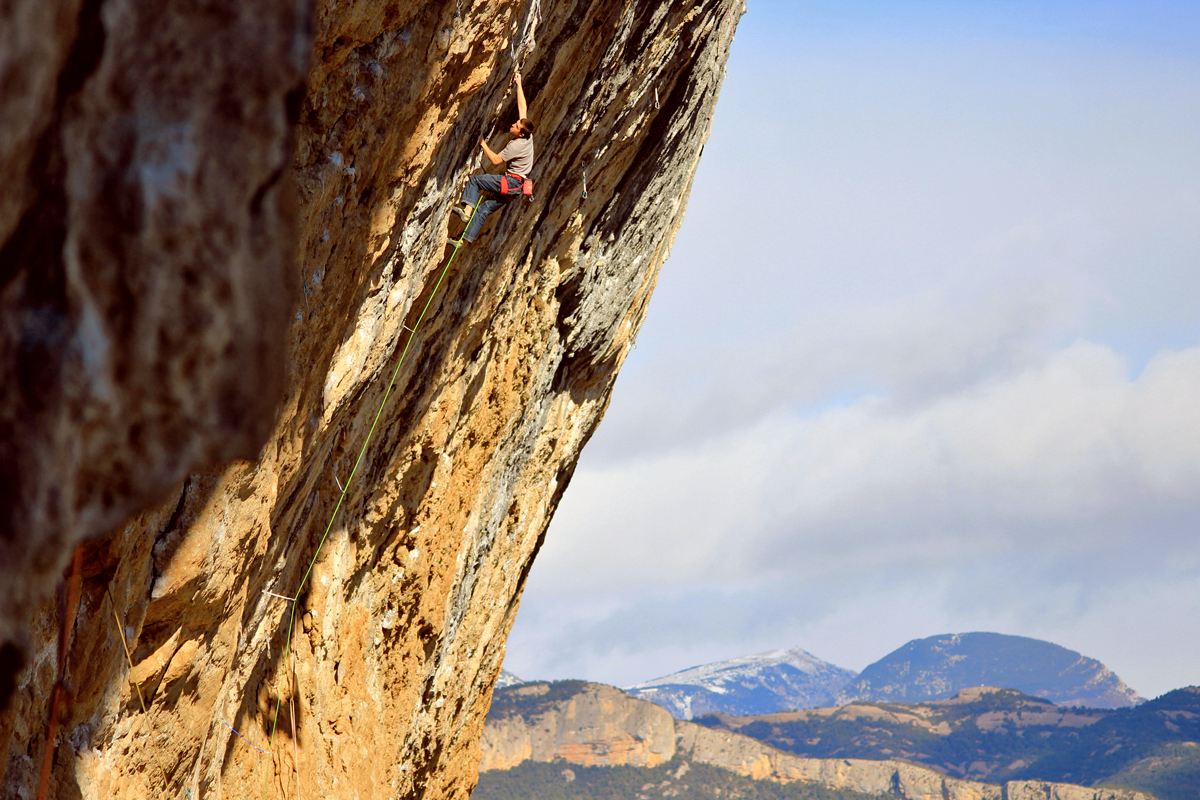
(203, 261)
(751, 758)
(748, 757)
(1044, 790)
(599, 725)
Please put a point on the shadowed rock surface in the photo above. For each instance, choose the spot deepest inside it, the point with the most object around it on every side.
(146, 262)
(210, 253)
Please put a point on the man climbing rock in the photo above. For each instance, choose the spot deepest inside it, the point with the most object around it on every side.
(517, 154)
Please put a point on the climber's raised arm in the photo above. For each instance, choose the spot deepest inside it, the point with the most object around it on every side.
(522, 106)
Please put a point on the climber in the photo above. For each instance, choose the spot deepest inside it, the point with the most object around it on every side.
(518, 155)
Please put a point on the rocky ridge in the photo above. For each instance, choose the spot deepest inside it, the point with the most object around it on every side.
(219, 230)
(583, 723)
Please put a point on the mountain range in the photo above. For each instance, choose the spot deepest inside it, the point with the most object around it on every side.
(757, 684)
(934, 668)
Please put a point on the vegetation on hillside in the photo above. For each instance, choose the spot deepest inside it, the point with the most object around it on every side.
(1154, 747)
(1006, 736)
(530, 700)
(676, 779)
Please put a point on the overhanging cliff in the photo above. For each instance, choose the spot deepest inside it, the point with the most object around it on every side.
(156, 324)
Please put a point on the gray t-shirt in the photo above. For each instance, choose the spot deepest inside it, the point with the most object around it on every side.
(519, 155)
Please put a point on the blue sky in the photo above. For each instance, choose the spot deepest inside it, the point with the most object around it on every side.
(925, 357)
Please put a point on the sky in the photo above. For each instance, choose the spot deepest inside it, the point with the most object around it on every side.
(925, 357)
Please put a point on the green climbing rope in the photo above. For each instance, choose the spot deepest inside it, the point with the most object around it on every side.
(412, 332)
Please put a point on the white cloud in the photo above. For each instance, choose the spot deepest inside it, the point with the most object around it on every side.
(902, 347)
(1029, 499)
(1072, 438)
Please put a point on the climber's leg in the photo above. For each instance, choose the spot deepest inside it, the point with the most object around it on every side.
(478, 183)
(481, 214)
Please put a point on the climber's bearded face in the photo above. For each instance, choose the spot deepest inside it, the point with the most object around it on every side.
(515, 129)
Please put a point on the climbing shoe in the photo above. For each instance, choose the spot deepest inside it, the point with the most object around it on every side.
(462, 213)
(456, 242)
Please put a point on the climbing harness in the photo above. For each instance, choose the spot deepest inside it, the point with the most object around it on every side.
(513, 185)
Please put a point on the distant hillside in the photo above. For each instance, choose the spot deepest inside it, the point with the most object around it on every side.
(780, 680)
(572, 723)
(1002, 735)
(938, 667)
(1155, 746)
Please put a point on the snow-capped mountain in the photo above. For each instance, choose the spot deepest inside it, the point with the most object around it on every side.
(780, 680)
(507, 679)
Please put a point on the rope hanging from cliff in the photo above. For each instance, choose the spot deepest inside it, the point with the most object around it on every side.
(68, 608)
(345, 488)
